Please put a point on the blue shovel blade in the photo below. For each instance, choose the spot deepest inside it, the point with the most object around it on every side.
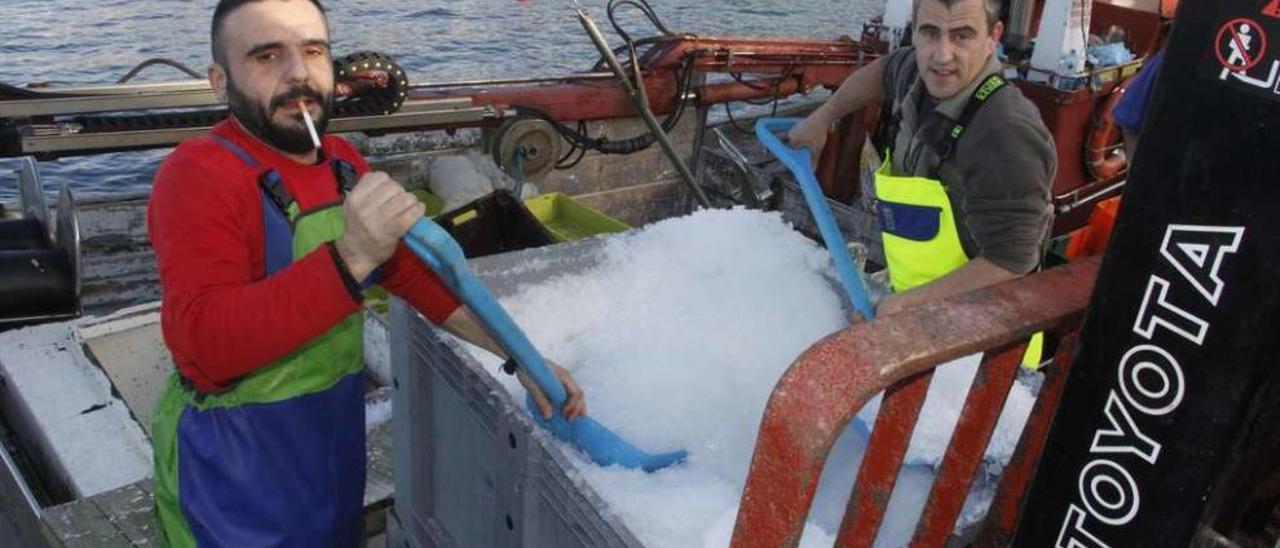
(600, 444)
(442, 254)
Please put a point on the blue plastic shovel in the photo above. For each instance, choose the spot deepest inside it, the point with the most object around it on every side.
(444, 256)
(799, 161)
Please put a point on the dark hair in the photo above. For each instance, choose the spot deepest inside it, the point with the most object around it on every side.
(992, 7)
(225, 7)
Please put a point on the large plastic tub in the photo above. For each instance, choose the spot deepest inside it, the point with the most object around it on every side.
(471, 469)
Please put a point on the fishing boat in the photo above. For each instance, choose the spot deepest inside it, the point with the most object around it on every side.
(630, 141)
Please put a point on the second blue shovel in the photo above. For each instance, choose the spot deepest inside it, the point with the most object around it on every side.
(799, 161)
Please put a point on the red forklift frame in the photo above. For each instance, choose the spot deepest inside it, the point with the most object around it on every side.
(828, 384)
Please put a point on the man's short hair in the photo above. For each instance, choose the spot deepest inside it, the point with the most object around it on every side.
(992, 8)
(220, 13)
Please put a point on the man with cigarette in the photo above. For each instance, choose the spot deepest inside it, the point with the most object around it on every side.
(266, 231)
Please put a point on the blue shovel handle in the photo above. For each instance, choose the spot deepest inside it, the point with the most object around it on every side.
(444, 256)
(799, 161)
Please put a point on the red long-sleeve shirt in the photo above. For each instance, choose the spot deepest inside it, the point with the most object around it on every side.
(221, 315)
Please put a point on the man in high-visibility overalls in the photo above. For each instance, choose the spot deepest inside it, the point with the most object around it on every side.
(265, 242)
(963, 194)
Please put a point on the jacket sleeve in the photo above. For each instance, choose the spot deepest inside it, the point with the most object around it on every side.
(221, 318)
(1006, 194)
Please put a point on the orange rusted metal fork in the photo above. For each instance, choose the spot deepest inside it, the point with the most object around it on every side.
(834, 379)
(969, 440)
(885, 450)
(899, 414)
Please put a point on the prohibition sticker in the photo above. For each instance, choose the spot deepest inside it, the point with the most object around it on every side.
(1241, 44)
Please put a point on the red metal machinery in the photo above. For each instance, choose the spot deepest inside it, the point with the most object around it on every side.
(761, 69)
(781, 67)
(776, 68)
(784, 67)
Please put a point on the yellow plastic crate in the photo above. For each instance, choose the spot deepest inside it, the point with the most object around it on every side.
(569, 220)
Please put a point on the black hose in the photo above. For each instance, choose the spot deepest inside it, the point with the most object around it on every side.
(627, 146)
(159, 61)
(684, 79)
(563, 162)
(579, 139)
(777, 97)
(737, 77)
(601, 65)
(728, 112)
(644, 8)
(631, 45)
(582, 153)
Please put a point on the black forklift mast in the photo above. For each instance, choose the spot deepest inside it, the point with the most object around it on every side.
(1169, 430)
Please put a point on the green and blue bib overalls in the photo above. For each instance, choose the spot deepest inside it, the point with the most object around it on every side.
(279, 458)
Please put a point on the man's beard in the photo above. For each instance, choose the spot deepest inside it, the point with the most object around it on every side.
(258, 119)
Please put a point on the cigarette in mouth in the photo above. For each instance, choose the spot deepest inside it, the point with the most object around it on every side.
(311, 126)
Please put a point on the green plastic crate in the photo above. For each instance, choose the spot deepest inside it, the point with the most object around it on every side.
(569, 220)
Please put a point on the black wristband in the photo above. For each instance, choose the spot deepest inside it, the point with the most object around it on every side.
(510, 366)
(348, 281)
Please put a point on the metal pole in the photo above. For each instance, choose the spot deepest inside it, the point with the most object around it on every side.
(635, 90)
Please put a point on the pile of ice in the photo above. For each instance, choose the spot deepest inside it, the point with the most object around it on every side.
(679, 334)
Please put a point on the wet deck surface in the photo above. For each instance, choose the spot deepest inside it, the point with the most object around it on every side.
(123, 517)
